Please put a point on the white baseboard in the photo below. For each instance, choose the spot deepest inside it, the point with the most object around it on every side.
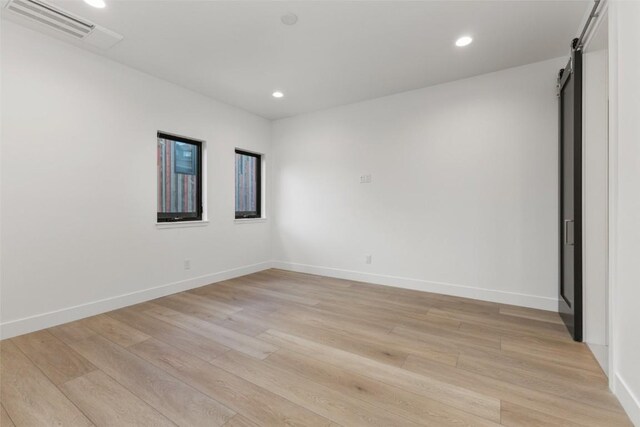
(46, 320)
(628, 399)
(601, 353)
(524, 300)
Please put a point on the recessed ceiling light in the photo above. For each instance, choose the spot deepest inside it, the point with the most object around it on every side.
(100, 4)
(277, 94)
(289, 19)
(462, 41)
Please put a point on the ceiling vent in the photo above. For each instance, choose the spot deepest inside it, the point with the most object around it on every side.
(52, 17)
(64, 22)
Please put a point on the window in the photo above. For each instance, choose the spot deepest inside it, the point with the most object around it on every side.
(248, 184)
(179, 179)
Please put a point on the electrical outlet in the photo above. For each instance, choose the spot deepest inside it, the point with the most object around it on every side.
(367, 259)
(187, 264)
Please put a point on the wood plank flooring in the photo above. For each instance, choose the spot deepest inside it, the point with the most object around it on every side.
(280, 348)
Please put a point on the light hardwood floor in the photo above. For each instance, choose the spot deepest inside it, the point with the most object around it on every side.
(280, 348)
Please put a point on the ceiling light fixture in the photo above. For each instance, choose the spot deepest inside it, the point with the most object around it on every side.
(277, 94)
(462, 41)
(100, 4)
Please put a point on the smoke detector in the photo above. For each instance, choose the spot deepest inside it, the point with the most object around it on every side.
(289, 19)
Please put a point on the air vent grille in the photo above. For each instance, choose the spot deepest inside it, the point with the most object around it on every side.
(52, 17)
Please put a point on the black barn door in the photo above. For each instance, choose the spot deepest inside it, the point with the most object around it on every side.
(570, 135)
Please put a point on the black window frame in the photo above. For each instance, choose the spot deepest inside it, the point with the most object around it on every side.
(185, 216)
(258, 212)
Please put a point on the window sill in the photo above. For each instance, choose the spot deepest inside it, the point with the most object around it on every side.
(249, 220)
(182, 224)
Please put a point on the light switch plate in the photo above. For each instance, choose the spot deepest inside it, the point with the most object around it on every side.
(365, 179)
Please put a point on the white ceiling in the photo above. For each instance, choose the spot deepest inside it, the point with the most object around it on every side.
(339, 52)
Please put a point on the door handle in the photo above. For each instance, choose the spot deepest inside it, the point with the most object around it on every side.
(566, 232)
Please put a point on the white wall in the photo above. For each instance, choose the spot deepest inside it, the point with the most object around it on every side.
(624, 248)
(595, 197)
(464, 189)
(79, 185)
